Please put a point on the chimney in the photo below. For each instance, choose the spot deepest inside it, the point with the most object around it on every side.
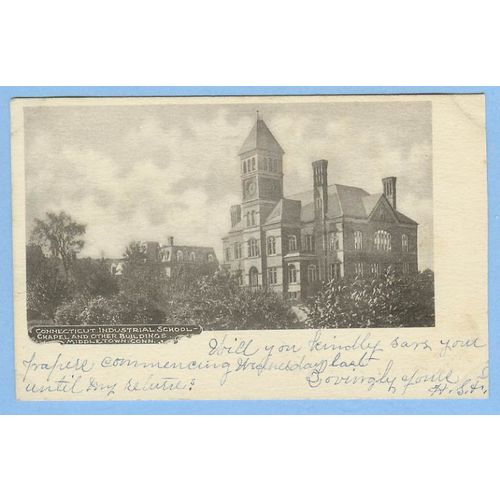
(170, 241)
(235, 215)
(320, 185)
(389, 184)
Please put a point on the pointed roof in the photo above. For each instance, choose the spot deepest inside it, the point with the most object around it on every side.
(285, 211)
(260, 137)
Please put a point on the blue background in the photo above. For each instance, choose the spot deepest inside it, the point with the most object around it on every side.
(8, 403)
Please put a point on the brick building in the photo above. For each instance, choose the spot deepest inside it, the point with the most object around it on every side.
(173, 258)
(330, 231)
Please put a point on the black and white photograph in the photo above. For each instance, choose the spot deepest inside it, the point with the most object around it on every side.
(230, 216)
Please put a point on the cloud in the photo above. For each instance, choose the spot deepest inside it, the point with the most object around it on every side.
(145, 172)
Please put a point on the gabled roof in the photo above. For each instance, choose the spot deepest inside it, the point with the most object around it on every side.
(347, 201)
(260, 137)
(285, 211)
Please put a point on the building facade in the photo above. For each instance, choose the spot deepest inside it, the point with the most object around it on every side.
(331, 231)
(173, 258)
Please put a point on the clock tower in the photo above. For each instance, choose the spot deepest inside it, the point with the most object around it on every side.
(261, 162)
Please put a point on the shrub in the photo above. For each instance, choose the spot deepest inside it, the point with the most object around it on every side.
(386, 301)
(217, 303)
(118, 309)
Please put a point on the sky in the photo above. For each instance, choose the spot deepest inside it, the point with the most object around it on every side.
(144, 172)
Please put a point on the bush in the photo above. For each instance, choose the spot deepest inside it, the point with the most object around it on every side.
(217, 303)
(386, 301)
(118, 309)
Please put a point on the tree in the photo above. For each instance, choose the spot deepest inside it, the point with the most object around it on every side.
(134, 253)
(92, 278)
(46, 289)
(387, 301)
(60, 236)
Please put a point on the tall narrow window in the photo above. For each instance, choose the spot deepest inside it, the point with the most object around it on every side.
(292, 243)
(192, 256)
(253, 164)
(252, 218)
(292, 273)
(271, 245)
(312, 273)
(382, 241)
(406, 268)
(237, 250)
(253, 276)
(333, 241)
(310, 242)
(404, 242)
(272, 275)
(253, 249)
(335, 271)
(375, 268)
(358, 240)
(358, 268)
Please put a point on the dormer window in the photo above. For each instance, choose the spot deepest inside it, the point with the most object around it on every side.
(180, 255)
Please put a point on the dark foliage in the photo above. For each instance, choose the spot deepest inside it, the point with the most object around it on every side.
(386, 301)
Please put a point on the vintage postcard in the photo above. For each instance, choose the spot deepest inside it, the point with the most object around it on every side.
(258, 247)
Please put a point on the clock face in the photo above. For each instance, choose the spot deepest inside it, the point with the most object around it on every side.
(251, 187)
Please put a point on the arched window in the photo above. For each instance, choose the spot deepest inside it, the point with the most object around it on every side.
(382, 241)
(192, 257)
(165, 255)
(253, 276)
(292, 243)
(210, 257)
(180, 256)
(292, 273)
(271, 245)
(358, 240)
(404, 242)
(252, 218)
(309, 242)
(312, 273)
(253, 248)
